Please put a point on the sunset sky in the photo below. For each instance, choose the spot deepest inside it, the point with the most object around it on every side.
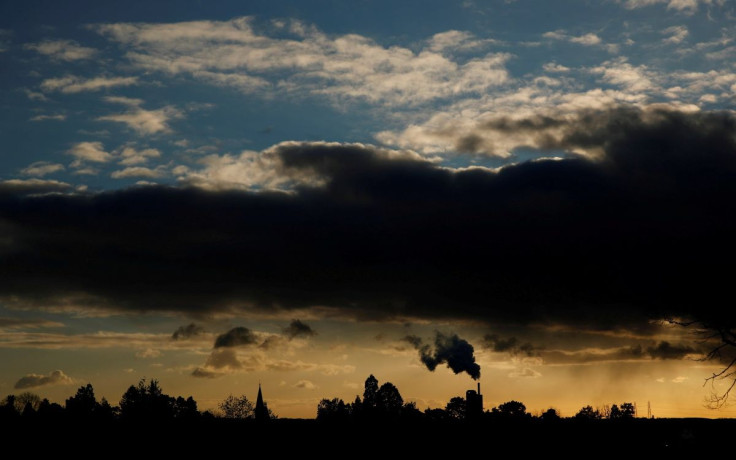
(303, 193)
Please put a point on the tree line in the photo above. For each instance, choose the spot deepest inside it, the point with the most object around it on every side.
(145, 401)
(386, 403)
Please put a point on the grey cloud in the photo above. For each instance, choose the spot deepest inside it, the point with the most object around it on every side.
(666, 350)
(236, 336)
(298, 329)
(511, 345)
(36, 380)
(188, 331)
(606, 242)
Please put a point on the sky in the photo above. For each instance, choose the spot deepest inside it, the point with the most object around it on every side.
(217, 194)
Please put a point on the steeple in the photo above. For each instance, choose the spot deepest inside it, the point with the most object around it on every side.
(261, 411)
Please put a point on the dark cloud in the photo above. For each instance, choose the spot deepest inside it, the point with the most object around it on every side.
(661, 350)
(188, 331)
(36, 380)
(457, 353)
(641, 231)
(666, 350)
(511, 345)
(298, 329)
(235, 337)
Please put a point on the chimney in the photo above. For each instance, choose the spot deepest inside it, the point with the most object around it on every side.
(478, 387)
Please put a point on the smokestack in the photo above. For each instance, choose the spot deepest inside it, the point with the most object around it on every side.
(478, 387)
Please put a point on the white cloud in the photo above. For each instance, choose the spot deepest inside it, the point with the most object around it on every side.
(587, 39)
(265, 170)
(58, 117)
(679, 379)
(676, 34)
(145, 122)
(34, 95)
(526, 372)
(37, 380)
(688, 6)
(71, 84)
(87, 171)
(232, 53)
(148, 353)
(65, 50)
(620, 72)
(129, 101)
(41, 168)
(34, 185)
(89, 151)
(553, 67)
(131, 156)
(138, 171)
(305, 385)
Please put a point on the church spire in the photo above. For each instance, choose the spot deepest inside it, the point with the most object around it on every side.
(261, 411)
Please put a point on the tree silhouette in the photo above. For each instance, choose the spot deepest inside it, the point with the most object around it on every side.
(628, 410)
(50, 411)
(369, 395)
(28, 411)
(25, 398)
(588, 413)
(456, 408)
(718, 332)
(185, 408)
(146, 402)
(332, 410)
(511, 409)
(236, 407)
(550, 415)
(83, 403)
(389, 400)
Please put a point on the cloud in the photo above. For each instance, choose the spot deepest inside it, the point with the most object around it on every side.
(615, 236)
(127, 101)
(41, 168)
(33, 186)
(298, 329)
(15, 338)
(448, 349)
(64, 50)
(679, 379)
(26, 323)
(145, 122)
(302, 60)
(131, 156)
(35, 96)
(148, 353)
(525, 373)
(305, 385)
(676, 34)
(665, 350)
(38, 380)
(620, 72)
(71, 84)
(588, 39)
(688, 6)
(138, 171)
(89, 152)
(224, 361)
(58, 117)
(511, 345)
(186, 332)
(235, 337)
